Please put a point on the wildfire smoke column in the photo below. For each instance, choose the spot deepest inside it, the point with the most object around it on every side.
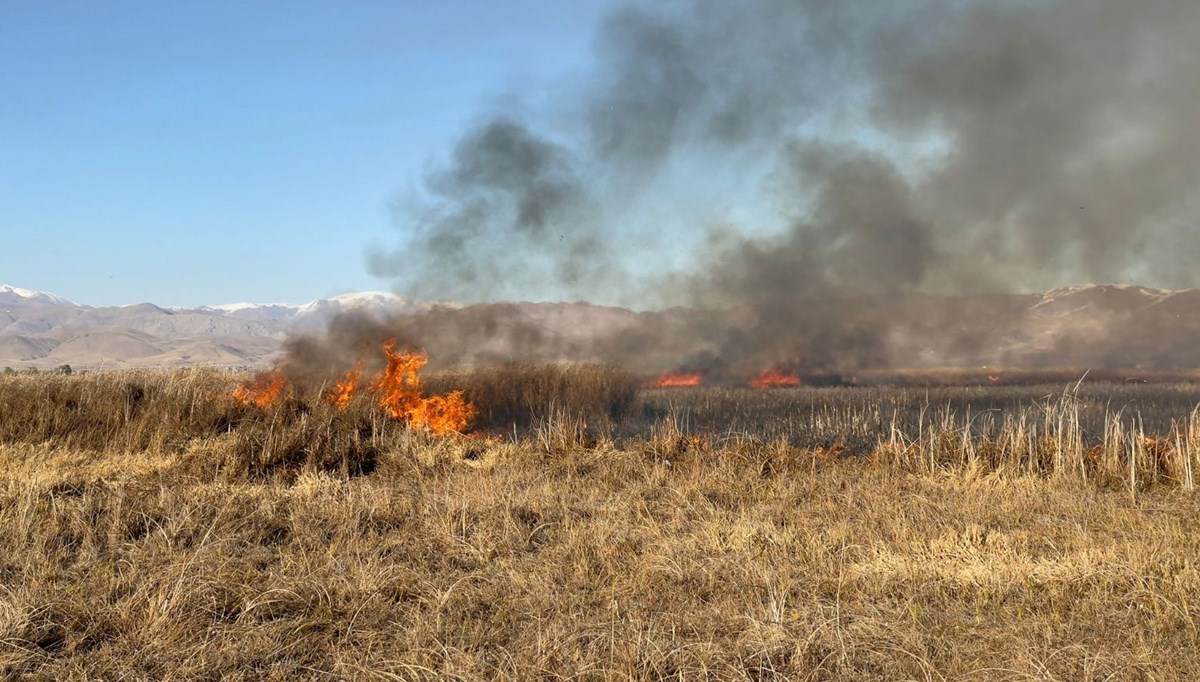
(794, 154)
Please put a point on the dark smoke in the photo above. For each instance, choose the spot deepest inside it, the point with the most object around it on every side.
(506, 192)
(837, 151)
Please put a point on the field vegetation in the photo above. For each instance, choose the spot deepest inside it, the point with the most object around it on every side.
(584, 527)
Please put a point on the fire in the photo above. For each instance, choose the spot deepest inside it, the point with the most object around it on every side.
(675, 380)
(775, 377)
(263, 391)
(399, 384)
(441, 414)
(399, 389)
(994, 378)
(343, 391)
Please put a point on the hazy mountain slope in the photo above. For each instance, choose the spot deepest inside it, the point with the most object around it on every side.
(39, 329)
(175, 324)
(104, 346)
(1102, 326)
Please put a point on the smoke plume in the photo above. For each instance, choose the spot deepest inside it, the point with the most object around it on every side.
(776, 155)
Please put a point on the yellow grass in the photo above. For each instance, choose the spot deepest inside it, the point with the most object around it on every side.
(460, 560)
(568, 555)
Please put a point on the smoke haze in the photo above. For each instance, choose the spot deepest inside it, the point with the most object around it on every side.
(935, 145)
(766, 155)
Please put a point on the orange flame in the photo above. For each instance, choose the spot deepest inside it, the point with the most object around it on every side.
(399, 384)
(675, 380)
(399, 389)
(441, 414)
(263, 391)
(994, 378)
(773, 377)
(343, 391)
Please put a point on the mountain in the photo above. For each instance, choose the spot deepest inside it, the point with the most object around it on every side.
(40, 329)
(1101, 326)
(317, 314)
(10, 295)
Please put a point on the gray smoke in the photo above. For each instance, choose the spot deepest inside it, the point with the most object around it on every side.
(935, 146)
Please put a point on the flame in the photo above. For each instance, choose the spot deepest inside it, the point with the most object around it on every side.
(675, 380)
(343, 391)
(399, 384)
(441, 414)
(263, 391)
(399, 389)
(994, 378)
(775, 377)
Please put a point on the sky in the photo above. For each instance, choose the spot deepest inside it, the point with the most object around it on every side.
(630, 152)
(190, 153)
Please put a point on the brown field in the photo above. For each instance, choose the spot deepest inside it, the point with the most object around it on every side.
(153, 528)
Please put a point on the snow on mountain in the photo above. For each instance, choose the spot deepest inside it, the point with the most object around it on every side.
(42, 329)
(11, 294)
(368, 300)
(316, 314)
(240, 307)
(265, 313)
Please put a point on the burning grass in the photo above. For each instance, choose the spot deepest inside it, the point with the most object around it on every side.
(154, 527)
(676, 380)
(396, 389)
(774, 378)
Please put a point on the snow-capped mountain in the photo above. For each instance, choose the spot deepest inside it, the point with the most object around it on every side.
(316, 314)
(255, 312)
(10, 294)
(40, 329)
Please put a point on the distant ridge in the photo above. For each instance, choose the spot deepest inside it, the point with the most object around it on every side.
(40, 329)
(1091, 325)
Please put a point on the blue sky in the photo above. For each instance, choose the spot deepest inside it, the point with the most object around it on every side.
(207, 152)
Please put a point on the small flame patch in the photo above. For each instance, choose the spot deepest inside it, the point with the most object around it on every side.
(345, 389)
(263, 391)
(675, 380)
(771, 378)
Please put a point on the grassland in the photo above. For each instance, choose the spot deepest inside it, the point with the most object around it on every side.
(152, 528)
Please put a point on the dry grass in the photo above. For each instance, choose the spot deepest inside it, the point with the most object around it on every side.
(682, 553)
(524, 395)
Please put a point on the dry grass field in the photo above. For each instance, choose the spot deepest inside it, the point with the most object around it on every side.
(151, 527)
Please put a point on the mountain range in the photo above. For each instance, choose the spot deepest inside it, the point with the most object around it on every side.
(42, 330)
(1102, 326)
